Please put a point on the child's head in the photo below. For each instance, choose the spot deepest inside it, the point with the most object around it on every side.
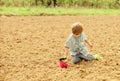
(77, 29)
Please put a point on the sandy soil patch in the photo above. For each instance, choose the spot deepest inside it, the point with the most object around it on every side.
(31, 46)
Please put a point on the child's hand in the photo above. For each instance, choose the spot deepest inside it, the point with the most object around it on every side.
(91, 46)
(89, 43)
(65, 55)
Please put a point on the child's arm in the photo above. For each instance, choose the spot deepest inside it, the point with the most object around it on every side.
(66, 52)
(89, 43)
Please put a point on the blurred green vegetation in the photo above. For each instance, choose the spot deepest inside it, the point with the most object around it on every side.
(63, 3)
(64, 7)
(22, 11)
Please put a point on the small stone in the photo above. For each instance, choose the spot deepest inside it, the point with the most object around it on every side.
(117, 63)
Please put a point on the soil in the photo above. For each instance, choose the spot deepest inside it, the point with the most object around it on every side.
(30, 48)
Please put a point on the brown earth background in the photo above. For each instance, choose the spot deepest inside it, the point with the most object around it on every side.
(31, 46)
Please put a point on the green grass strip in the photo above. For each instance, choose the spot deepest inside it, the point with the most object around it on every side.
(20, 11)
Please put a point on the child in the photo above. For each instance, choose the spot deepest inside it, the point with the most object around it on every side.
(76, 43)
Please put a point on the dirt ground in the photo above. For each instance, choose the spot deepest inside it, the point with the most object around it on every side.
(31, 46)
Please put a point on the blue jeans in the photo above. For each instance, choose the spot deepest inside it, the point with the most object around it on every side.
(79, 57)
